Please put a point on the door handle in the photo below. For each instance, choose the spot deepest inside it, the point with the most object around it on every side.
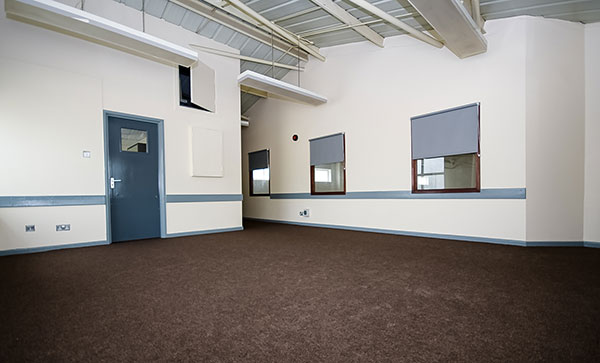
(113, 181)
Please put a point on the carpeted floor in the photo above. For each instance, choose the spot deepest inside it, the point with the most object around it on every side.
(279, 293)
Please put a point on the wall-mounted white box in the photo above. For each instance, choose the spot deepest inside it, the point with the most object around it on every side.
(207, 152)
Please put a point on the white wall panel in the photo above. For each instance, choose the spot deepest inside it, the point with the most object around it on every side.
(207, 152)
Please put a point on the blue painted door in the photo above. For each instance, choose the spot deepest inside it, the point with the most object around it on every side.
(133, 179)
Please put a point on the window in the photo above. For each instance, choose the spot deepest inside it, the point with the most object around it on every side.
(203, 96)
(134, 140)
(322, 175)
(448, 172)
(258, 165)
(328, 165)
(445, 151)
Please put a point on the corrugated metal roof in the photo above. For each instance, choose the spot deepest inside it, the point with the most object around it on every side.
(304, 18)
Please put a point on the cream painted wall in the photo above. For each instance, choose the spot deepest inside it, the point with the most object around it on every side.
(183, 217)
(53, 94)
(555, 130)
(592, 134)
(34, 116)
(372, 94)
(87, 225)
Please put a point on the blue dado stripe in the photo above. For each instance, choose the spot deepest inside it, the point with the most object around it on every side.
(504, 193)
(208, 231)
(195, 198)
(51, 201)
(19, 251)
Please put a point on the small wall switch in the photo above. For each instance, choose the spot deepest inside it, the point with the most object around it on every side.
(87, 154)
(30, 228)
(305, 213)
(63, 227)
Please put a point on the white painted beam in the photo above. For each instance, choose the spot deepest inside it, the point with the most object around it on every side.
(338, 27)
(223, 5)
(246, 58)
(454, 24)
(248, 30)
(370, 8)
(345, 17)
(476, 12)
(292, 38)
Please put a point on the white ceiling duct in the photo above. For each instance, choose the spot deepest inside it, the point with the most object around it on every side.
(454, 24)
(276, 88)
(82, 23)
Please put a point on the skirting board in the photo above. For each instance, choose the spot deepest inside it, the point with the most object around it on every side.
(20, 251)
(591, 244)
(555, 244)
(208, 231)
(500, 241)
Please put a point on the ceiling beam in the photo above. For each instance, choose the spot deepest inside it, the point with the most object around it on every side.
(240, 26)
(254, 91)
(476, 13)
(233, 11)
(295, 15)
(292, 38)
(338, 27)
(370, 8)
(345, 17)
(454, 24)
(246, 58)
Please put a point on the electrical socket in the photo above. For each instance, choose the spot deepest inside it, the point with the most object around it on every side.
(30, 228)
(63, 227)
(305, 213)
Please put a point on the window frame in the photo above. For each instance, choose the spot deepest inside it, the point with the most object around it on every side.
(251, 180)
(312, 175)
(476, 189)
(187, 102)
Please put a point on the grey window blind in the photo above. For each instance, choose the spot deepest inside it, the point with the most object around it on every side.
(258, 159)
(449, 132)
(327, 149)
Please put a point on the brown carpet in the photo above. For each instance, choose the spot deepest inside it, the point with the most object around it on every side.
(279, 293)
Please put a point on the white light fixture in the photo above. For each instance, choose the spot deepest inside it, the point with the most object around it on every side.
(79, 22)
(276, 88)
(454, 24)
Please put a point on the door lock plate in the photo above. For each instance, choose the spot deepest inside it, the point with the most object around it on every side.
(113, 181)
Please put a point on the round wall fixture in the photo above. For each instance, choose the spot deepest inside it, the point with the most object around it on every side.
(294, 137)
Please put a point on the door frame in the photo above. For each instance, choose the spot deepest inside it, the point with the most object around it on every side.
(162, 199)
